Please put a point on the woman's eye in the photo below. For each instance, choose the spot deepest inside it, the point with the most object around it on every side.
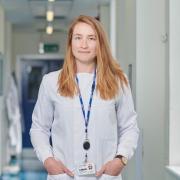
(92, 39)
(77, 38)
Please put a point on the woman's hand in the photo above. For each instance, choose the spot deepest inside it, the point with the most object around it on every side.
(54, 167)
(112, 168)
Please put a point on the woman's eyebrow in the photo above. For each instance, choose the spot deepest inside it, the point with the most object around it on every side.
(77, 34)
(92, 35)
(89, 35)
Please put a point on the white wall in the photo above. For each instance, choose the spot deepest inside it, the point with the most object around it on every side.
(172, 171)
(126, 54)
(126, 32)
(6, 51)
(28, 42)
(104, 17)
(152, 83)
(2, 23)
(174, 56)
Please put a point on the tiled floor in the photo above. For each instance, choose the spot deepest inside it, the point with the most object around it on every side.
(26, 176)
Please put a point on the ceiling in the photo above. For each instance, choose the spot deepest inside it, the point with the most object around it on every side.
(30, 15)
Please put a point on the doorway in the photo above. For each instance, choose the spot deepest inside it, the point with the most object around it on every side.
(31, 70)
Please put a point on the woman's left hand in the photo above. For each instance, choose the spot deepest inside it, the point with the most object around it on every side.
(112, 168)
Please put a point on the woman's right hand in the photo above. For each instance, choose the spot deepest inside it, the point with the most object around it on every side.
(54, 167)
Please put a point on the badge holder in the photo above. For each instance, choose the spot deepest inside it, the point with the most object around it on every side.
(86, 169)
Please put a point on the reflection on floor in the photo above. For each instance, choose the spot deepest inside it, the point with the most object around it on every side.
(26, 176)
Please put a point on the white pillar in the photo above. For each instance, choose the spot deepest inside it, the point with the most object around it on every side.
(113, 26)
(174, 62)
(2, 26)
(105, 17)
(152, 84)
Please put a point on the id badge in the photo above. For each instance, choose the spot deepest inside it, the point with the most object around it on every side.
(86, 169)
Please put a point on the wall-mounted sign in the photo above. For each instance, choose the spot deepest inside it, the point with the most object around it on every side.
(48, 48)
(51, 48)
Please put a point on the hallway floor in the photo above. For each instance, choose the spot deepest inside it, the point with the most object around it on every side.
(26, 176)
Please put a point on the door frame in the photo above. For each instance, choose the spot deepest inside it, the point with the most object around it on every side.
(29, 159)
(31, 57)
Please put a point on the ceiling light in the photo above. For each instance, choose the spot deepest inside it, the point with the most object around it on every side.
(51, 0)
(49, 29)
(50, 15)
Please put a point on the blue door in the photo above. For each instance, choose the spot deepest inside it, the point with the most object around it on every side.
(32, 72)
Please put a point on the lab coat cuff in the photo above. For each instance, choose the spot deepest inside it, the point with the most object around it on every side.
(123, 152)
(45, 157)
(44, 154)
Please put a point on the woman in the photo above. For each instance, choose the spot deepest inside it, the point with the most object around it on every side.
(87, 109)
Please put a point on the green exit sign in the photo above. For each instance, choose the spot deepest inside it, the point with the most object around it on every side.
(51, 48)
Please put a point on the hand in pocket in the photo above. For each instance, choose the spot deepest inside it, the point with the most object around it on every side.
(55, 167)
(112, 168)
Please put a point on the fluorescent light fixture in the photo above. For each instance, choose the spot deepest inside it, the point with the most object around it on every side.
(51, 0)
(50, 15)
(49, 29)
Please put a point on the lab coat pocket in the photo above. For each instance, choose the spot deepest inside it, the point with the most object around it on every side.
(58, 177)
(109, 147)
(108, 177)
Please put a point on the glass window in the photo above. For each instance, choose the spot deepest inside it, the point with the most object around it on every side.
(34, 80)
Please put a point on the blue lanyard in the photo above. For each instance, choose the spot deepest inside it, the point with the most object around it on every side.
(86, 119)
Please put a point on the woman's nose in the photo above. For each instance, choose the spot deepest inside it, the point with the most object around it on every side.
(84, 43)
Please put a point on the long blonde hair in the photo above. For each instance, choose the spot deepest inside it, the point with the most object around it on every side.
(110, 76)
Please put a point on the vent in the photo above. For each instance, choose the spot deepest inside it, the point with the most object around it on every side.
(55, 17)
(54, 30)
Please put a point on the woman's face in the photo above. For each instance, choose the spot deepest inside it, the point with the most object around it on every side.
(84, 43)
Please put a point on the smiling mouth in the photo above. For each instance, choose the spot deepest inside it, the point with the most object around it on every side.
(83, 51)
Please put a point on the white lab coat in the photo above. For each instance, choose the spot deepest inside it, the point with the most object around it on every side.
(112, 126)
(14, 116)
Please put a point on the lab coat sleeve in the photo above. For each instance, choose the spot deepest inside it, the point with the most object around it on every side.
(128, 131)
(42, 119)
